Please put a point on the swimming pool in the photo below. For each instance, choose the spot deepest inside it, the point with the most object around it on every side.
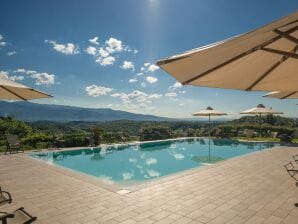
(131, 164)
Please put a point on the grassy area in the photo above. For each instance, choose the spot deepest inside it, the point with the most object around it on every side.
(258, 139)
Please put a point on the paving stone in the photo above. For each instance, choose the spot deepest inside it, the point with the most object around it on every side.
(253, 188)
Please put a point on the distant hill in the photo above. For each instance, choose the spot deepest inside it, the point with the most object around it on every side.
(48, 112)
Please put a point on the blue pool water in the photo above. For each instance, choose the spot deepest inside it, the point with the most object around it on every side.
(137, 163)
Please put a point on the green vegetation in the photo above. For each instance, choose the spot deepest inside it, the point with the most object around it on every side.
(44, 134)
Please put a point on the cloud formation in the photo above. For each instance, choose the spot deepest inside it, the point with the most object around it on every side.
(171, 94)
(136, 99)
(2, 42)
(151, 79)
(41, 78)
(5, 75)
(175, 86)
(106, 61)
(67, 49)
(128, 65)
(11, 53)
(95, 90)
(148, 67)
(105, 54)
(94, 40)
(91, 50)
(132, 80)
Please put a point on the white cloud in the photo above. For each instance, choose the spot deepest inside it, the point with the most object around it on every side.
(11, 53)
(136, 98)
(151, 79)
(94, 41)
(95, 90)
(43, 78)
(151, 161)
(181, 104)
(16, 78)
(20, 70)
(152, 68)
(132, 80)
(171, 94)
(128, 65)
(135, 51)
(149, 67)
(2, 42)
(106, 61)
(175, 86)
(67, 49)
(154, 96)
(4, 74)
(91, 50)
(140, 73)
(30, 72)
(103, 53)
(114, 45)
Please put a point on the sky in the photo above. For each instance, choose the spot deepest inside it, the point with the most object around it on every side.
(102, 54)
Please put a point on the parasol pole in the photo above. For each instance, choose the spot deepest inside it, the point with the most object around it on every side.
(209, 137)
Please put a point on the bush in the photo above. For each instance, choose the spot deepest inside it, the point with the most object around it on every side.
(75, 140)
(37, 138)
(155, 133)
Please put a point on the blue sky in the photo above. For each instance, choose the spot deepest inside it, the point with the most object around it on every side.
(102, 53)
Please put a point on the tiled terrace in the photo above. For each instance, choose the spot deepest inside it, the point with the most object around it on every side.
(251, 189)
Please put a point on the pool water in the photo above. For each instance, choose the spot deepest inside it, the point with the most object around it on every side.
(132, 164)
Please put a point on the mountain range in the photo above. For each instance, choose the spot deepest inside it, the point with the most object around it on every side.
(28, 111)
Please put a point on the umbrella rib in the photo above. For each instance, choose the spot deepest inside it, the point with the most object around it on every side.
(286, 96)
(284, 53)
(231, 60)
(239, 56)
(287, 35)
(284, 58)
(8, 90)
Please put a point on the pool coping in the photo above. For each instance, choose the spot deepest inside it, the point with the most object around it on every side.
(118, 188)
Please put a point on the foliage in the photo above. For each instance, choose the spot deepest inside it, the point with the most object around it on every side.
(12, 126)
(155, 133)
(44, 134)
(37, 137)
(97, 133)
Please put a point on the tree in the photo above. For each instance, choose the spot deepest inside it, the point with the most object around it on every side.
(97, 133)
(155, 133)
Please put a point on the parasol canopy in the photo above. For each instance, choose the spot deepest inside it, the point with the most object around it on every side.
(260, 109)
(263, 60)
(282, 95)
(209, 111)
(11, 90)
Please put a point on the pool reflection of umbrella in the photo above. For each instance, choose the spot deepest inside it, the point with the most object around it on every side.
(208, 113)
(259, 110)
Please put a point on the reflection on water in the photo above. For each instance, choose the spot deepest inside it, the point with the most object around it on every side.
(129, 164)
(207, 159)
(153, 146)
